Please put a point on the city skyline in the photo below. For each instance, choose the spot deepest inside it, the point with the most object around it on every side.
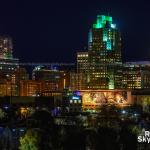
(74, 74)
(56, 30)
(101, 67)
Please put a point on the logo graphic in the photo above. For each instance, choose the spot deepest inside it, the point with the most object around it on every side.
(144, 137)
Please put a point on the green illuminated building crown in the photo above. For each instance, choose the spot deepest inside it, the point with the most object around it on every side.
(102, 20)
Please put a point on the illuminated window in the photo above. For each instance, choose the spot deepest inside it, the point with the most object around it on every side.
(79, 101)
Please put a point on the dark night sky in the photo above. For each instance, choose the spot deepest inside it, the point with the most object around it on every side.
(53, 31)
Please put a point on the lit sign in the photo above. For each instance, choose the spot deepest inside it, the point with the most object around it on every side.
(75, 97)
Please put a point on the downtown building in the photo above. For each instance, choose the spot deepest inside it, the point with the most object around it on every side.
(54, 80)
(45, 82)
(101, 66)
(8, 65)
(101, 76)
(136, 75)
(10, 72)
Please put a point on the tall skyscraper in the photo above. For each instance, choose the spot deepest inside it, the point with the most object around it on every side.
(7, 63)
(102, 63)
(8, 67)
(6, 47)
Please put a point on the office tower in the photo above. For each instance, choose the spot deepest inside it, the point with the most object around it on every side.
(6, 47)
(9, 86)
(78, 81)
(136, 75)
(31, 88)
(82, 59)
(54, 79)
(102, 64)
(8, 64)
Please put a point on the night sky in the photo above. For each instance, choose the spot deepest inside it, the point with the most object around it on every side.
(53, 31)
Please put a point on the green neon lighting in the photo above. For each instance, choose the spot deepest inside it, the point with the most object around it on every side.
(108, 46)
(97, 25)
(108, 18)
(113, 39)
(90, 36)
(111, 84)
(113, 26)
(104, 38)
(101, 22)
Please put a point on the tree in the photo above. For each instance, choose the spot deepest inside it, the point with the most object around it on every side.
(30, 141)
(74, 139)
(44, 119)
(2, 114)
(7, 142)
(31, 111)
